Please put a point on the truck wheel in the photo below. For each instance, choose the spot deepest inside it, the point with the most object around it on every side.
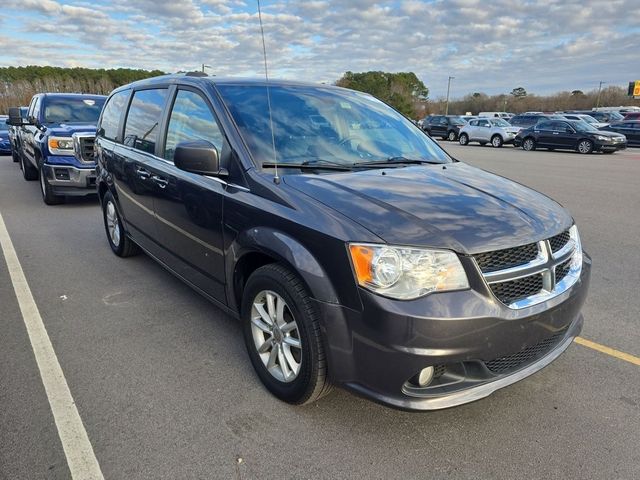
(119, 242)
(14, 156)
(28, 171)
(48, 196)
(282, 336)
(496, 141)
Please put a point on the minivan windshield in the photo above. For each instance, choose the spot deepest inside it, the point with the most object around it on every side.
(314, 125)
(72, 109)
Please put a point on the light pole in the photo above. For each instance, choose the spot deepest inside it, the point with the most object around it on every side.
(205, 66)
(446, 108)
(599, 90)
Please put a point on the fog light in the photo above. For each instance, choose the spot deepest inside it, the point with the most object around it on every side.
(424, 377)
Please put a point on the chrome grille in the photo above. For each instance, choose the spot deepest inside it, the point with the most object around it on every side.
(523, 276)
(510, 363)
(514, 290)
(507, 258)
(559, 241)
(86, 149)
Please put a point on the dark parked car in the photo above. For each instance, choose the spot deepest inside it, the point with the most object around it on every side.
(628, 128)
(569, 135)
(528, 120)
(632, 116)
(14, 134)
(445, 126)
(602, 117)
(5, 142)
(352, 248)
(53, 123)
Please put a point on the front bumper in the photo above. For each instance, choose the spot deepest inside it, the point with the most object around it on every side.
(609, 146)
(376, 351)
(5, 147)
(70, 180)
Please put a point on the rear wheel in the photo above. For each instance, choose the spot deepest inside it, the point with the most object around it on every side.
(28, 171)
(14, 156)
(497, 141)
(120, 244)
(452, 136)
(48, 196)
(529, 144)
(464, 139)
(282, 336)
(585, 146)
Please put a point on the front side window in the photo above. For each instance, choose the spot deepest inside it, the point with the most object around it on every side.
(483, 123)
(108, 127)
(324, 124)
(191, 119)
(72, 109)
(143, 119)
(546, 126)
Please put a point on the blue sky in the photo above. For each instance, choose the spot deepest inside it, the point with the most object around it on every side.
(489, 46)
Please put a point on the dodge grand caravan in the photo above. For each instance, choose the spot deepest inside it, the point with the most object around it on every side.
(353, 249)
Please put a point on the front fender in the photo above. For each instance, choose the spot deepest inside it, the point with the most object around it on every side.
(285, 249)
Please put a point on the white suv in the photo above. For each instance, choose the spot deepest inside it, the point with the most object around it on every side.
(488, 130)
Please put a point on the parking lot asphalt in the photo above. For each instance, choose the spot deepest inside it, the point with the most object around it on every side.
(163, 384)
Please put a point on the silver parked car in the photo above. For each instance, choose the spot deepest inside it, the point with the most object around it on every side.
(488, 130)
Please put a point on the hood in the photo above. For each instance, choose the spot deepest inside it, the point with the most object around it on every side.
(68, 129)
(512, 129)
(458, 207)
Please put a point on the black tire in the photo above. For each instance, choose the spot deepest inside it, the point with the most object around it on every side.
(496, 141)
(585, 146)
(29, 172)
(14, 156)
(48, 196)
(463, 139)
(529, 144)
(311, 381)
(452, 137)
(121, 244)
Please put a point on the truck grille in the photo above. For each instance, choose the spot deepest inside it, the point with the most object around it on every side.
(86, 149)
(507, 258)
(529, 274)
(510, 363)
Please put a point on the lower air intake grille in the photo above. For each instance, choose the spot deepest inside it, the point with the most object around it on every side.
(524, 357)
(514, 290)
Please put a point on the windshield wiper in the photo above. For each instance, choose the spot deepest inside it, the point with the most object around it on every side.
(311, 165)
(397, 161)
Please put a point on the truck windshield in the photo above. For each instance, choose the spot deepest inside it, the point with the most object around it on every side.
(329, 124)
(72, 109)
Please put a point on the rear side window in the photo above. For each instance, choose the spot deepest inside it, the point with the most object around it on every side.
(545, 126)
(143, 119)
(191, 119)
(111, 115)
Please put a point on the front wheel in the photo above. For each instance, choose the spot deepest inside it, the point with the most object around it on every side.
(14, 156)
(496, 141)
(282, 336)
(464, 139)
(46, 189)
(28, 171)
(452, 136)
(529, 144)
(585, 146)
(120, 244)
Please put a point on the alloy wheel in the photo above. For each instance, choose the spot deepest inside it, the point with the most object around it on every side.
(276, 336)
(585, 146)
(528, 144)
(452, 136)
(113, 225)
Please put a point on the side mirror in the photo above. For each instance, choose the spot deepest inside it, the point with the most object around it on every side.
(199, 157)
(15, 118)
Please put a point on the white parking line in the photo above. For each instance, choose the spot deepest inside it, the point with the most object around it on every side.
(77, 447)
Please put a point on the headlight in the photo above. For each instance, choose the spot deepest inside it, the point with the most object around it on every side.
(576, 260)
(406, 273)
(602, 138)
(61, 145)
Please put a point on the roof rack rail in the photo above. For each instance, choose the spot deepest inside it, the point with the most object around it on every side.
(196, 74)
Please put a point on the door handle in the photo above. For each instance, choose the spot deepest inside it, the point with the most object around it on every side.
(142, 173)
(162, 182)
(556, 133)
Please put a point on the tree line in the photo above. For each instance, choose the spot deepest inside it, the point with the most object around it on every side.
(19, 84)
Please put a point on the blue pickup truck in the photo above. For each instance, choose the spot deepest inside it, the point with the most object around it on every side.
(53, 123)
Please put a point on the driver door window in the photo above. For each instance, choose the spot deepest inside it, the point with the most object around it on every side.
(191, 119)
